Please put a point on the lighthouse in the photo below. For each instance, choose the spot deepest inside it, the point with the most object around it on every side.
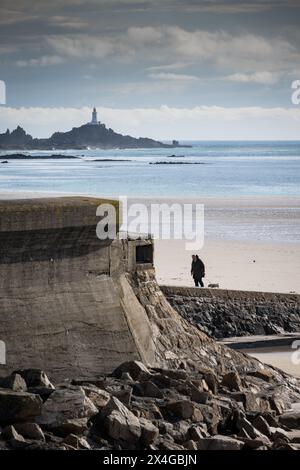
(94, 120)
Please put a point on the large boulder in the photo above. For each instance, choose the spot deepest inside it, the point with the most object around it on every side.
(18, 406)
(136, 369)
(290, 419)
(15, 440)
(37, 382)
(149, 431)
(118, 422)
(220, 442)
(65, 407)
(30, 431)
(183, 409)
(35, 378)
(99, 397)
(232, 381)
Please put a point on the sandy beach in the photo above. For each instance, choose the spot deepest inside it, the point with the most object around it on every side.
(233, 265)
(247, 262)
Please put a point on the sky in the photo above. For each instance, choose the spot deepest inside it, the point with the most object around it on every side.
(184, 69)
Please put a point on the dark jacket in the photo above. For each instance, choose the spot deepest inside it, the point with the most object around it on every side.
(198, 269)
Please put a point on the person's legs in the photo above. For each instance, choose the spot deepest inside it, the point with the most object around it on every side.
(201, 282)
(196, 282)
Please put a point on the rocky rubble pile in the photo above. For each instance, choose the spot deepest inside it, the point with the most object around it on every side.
(140, 408)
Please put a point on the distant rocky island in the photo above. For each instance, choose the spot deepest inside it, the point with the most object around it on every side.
(93, 134)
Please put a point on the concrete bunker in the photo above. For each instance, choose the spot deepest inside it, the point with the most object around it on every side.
(144, 253)
(66, 300)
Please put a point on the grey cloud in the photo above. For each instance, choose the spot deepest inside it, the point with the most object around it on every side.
(244, 52)
(173, 76)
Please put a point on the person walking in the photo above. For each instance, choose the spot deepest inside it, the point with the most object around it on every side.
(197, 270)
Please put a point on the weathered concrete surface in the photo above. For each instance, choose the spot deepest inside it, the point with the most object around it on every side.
(76, 306)
(63, 291)
(225, 313)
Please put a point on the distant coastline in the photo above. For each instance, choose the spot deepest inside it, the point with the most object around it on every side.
(91, 135)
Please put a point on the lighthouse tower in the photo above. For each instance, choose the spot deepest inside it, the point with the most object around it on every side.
(94, 120)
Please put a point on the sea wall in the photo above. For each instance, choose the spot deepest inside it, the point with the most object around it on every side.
(224, 313)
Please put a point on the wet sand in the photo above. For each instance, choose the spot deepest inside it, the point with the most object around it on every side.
(284, 358)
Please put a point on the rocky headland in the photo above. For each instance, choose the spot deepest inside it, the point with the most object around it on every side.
(85, 136)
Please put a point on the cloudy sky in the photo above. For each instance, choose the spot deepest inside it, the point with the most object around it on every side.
(186, 69)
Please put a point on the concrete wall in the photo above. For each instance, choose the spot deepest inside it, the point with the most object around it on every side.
(63, 292)
(224, 313)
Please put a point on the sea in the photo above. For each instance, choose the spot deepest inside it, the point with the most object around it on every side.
(211, 169)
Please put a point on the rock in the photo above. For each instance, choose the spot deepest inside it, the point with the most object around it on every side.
(211, 380)
(262, 426)
(3, 445)
(278, 433)
(70, 426)
(9, 432)
(196, 433)
(15, 440)
(177, 374)
(232, 381)
(18, 406)
(124, 396)
(37, 382)
(211, 416)
(30, 431)
(294, 436)
(99, 397)
(118, 422)
(146, 409)
(290, 419)
(191, 445)
(180, 431)
(126, 377)
(199, 396)
(257, 443)
(35, 378)
(169, 445)
(220, 442)
(149, 432)
(136, 369)
(76, 442)
(183, 409)
(277, 404)
(283, 445)
(251, 401)
(270, 418)
(64, 404)
(151, 390)
(246, 427)
(164, 427)
(264, 374)
(15, 382)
